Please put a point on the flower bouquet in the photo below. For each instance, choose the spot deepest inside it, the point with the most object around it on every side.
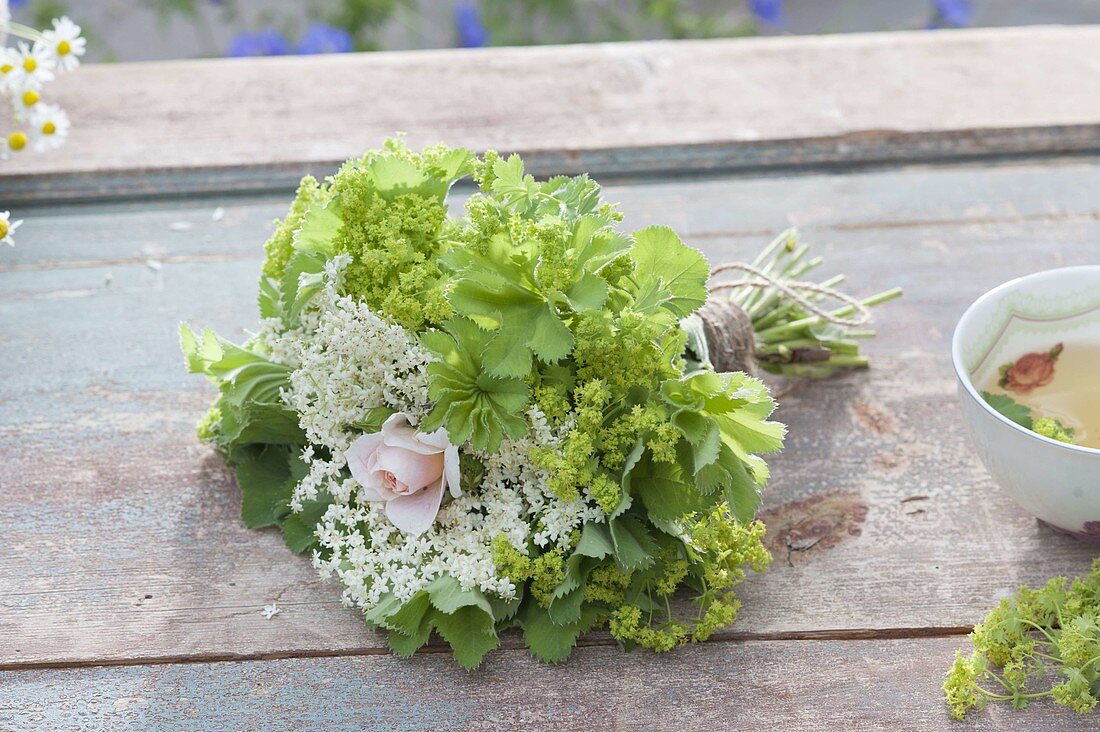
(510, 418)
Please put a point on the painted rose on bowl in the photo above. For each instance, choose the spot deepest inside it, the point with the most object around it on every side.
(1030, 371)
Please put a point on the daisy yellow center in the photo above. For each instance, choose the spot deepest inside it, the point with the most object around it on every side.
(4, 228)
(63, 48)
(17, 140)
(6, 68)
(30, 98)
(30, 64)
(49, 128)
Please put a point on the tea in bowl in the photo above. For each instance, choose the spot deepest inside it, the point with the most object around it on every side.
(1027, 358)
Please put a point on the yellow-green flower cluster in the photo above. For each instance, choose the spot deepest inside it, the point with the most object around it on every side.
(280, 246)
(1040, 633)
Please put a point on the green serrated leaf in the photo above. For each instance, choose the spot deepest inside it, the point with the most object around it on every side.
(742, 491)
(587, 293)
(1010, 408)
(471, 404)
(406, 645)
(374, 419)
(299, 529)
(302, 279)
(567, 608)
(511, 184)
(634, 546)
(409, 618)
(319, 228)
(471, 633)
(660, 256)
(663, 490)
(266, 484)
(447, 596)
(387, 606)
(547, 640)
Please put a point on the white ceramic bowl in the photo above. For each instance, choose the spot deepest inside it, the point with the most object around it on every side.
(1057, 482)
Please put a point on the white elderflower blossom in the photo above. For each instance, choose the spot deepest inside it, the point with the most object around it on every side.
(373, 558)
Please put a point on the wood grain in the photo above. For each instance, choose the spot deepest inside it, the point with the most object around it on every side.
(829, 685)
(257, 124)
(121, 537)
(699, 208)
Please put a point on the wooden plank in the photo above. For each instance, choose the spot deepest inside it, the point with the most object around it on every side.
(745, 686)
(224, 226)
(612, 108)
(122, 535)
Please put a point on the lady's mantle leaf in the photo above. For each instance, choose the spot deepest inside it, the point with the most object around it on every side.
(634, 547)
(660, 257)
(1010, 408)
(471, 633)
(526, 322)
(266, 483)
(664, 490)
(471, 404)
(548, 641)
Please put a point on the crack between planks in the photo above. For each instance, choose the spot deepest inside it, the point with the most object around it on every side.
(511, 644)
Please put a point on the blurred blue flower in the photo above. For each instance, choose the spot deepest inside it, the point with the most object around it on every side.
(261, 43)
(955, 13)
(16, 3)
(768, 11)
(472, 32)
(324, 38)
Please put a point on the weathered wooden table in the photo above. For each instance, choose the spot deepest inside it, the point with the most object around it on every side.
(131, 594)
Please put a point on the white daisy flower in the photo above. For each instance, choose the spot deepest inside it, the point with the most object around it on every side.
(63, 45)
(7, 65)
(7, 228)
(12, 142)
(30, 68)
(49, 126)
(24, 104)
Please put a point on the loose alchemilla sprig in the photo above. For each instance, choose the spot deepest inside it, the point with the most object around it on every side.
(489, 419)
(1043, 643)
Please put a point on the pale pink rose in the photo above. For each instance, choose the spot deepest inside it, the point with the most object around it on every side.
(407, 469)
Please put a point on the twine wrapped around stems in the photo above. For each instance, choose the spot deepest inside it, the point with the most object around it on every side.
(729, 330)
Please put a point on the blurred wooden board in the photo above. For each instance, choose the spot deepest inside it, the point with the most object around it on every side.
(256, 124)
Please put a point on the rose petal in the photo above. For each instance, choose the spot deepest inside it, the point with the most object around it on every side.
(410, 468)
(451, 473)
(359, 453)
(438, 439)
(397, 432)
(414, 514)
(376, 487)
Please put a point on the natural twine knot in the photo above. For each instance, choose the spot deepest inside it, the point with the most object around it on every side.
(730, 337)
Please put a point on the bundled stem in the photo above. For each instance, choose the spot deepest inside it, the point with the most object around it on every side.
(789, 338)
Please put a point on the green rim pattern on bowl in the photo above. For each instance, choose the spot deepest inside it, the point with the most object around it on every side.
(1020, 312)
